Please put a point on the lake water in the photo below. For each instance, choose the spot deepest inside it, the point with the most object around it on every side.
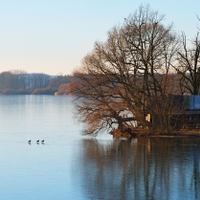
(70, 166)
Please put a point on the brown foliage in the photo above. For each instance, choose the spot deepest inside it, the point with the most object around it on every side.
(128, 76)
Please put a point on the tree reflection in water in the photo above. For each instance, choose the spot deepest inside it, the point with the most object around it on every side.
(144, 168)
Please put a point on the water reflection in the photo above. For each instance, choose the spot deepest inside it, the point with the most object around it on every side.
(70, 167)
(144, 168)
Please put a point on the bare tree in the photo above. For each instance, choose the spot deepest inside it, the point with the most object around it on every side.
(20, 79)
(40, 80)
(189, 66)
(6, 80)
(101, 106)
(122, 80)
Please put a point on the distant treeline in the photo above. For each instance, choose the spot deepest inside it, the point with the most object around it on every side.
(20, 82)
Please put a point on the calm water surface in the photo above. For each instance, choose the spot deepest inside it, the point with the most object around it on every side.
(70, 166)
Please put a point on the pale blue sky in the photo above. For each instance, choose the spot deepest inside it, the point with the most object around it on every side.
(52, 36)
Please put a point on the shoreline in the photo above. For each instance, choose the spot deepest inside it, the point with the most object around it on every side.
(142, 133)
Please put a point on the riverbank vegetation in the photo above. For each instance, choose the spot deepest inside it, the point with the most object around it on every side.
(132, 84)
(20, 82)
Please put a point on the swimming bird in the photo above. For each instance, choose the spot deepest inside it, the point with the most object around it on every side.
(29, 141)
(42, 141)
(37, 141)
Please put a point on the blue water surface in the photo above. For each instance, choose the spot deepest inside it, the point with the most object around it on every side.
(71, 166)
